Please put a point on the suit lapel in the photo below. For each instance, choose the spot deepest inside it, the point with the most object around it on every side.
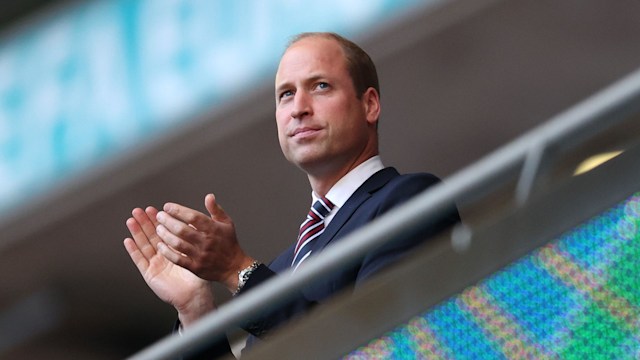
(364, 192)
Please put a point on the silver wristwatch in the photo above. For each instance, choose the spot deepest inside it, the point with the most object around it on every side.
(244, 275)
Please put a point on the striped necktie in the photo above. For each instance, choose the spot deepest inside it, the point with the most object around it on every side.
(310, 229)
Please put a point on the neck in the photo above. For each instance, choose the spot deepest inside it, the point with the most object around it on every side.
(322, 180)
(322, 185)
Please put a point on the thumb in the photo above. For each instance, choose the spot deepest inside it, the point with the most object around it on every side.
(217, 213)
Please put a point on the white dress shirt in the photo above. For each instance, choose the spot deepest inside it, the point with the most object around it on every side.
(348, 184)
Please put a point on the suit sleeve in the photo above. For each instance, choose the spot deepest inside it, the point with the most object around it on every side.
(210, 350)
(273, 318)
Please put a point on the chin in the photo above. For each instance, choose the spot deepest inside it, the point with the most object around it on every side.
(307, 163)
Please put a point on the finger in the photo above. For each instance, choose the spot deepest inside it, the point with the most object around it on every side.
(216, 211)
(187, 215)
(147, 224)
(173, 256)
(140, 238)
(138, 259)
(177, 227)
(175, 242)
(152, 213)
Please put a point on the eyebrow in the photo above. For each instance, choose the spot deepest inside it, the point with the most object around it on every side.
(310, 79)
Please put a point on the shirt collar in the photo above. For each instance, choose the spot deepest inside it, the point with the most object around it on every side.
(341, 191)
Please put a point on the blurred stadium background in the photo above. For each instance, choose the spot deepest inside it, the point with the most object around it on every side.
(106, 105)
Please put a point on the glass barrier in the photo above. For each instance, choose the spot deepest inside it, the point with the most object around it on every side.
(575, 298)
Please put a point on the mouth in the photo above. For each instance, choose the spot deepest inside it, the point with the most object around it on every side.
(304, 132)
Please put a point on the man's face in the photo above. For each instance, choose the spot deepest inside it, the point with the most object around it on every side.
(322, 125)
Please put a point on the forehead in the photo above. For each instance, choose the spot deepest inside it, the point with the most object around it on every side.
(317, 55)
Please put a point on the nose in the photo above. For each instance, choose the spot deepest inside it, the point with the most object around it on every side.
(301, 105)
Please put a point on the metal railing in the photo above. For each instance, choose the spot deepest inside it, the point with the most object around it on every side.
(524, 156)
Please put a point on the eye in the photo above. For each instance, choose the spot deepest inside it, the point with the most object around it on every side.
(322, 85)
(285, 94)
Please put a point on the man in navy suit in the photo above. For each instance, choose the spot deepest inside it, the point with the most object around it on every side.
(327, 109)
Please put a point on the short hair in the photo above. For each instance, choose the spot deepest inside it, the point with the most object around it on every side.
(359, 65)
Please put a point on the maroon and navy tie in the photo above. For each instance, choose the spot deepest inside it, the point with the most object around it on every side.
(310, 229)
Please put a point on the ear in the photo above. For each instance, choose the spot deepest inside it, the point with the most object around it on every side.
(371, 103)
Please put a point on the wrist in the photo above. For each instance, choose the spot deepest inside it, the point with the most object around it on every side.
(231, 277)
(199, 305)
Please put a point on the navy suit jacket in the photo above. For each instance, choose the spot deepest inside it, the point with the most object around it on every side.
(381, 192)
(378, 194)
